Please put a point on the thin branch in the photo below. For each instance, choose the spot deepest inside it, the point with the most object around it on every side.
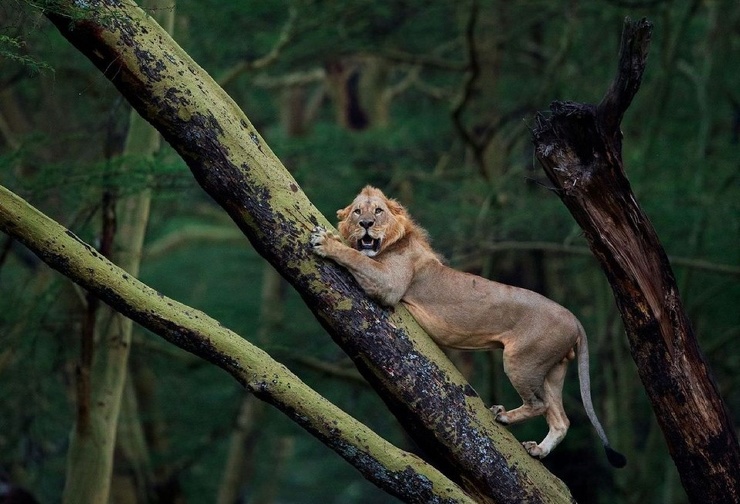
(190, 234)
(342, 372)
(424, 60)
(558, 248)
(291, 79)
(468, 88)
(286, 35)
(402, 85)
(438, 93)
(633, 55)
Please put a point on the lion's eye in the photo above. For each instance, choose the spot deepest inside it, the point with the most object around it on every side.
(357, 211)
(378, 211)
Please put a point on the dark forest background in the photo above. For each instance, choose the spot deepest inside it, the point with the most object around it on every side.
(398, 95)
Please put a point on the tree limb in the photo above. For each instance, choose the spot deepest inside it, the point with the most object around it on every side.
(466, 93)
(559, 248)
(633, 54)
(286, 35)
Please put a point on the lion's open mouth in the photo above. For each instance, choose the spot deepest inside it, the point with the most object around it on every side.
(368, 245)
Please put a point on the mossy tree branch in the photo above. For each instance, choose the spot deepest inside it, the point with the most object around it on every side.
(235, 166)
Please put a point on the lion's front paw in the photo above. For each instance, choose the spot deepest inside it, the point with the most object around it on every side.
(320, 239)
(317, 240)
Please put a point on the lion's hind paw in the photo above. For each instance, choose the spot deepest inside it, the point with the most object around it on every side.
(534, 449)
(499, 413)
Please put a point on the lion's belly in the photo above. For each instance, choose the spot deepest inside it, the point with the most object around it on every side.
(464, 311)
(449, 331)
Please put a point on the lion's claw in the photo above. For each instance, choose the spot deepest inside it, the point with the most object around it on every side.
(318, 239)
(317, 235)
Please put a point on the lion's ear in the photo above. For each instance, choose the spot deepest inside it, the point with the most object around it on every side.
(343, 226)
(343, 213)
(395, 207)
(344, 229)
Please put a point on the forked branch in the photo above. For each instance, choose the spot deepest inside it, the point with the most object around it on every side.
(633, 54)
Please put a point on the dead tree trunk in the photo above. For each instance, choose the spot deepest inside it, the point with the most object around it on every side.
(579, 147)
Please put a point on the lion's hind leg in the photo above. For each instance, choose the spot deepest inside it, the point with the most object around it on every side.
(532, 407)
(541, 391)
(529, 384)
(557, 420)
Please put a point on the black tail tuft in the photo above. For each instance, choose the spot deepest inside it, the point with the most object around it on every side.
(615, 458)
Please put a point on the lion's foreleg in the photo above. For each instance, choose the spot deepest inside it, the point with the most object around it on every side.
(384, 282)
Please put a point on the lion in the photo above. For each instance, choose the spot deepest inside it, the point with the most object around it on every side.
(390, 257)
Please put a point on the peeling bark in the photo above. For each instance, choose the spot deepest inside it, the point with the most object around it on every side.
(580, 149)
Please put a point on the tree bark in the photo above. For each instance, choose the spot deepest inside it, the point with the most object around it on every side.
(238, 467)
(236, 167)
(579, 147)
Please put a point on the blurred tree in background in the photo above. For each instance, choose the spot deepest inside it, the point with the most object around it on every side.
(408, 96)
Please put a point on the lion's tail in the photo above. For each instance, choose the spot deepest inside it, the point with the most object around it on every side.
(615, 458)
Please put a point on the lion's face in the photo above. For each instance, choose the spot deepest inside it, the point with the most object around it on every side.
(372, 222)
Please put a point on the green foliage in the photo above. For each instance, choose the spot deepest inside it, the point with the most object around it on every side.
(61, 149)
(10, 48)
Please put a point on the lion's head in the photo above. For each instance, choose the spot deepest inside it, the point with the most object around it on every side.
(373, 222)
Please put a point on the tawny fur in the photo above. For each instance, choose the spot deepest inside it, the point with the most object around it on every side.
(391, 259)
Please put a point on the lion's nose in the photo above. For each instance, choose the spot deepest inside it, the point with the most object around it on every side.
(367, 224)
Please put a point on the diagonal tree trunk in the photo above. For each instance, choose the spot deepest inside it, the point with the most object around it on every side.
(580, 149)
(235, 166)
